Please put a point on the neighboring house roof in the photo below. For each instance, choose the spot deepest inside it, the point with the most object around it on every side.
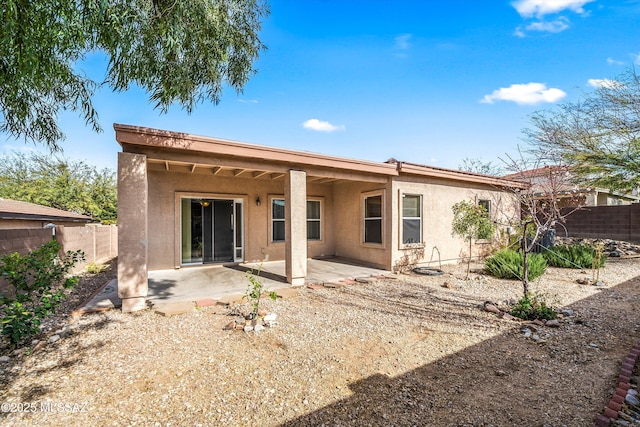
(13, 209)
(137, 138)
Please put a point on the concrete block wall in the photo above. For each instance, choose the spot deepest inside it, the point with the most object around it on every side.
(605, 222)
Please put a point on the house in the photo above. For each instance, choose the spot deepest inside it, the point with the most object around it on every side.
(559, 180)
(15, 214)
(187, 200)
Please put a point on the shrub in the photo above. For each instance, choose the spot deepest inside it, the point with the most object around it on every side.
(37, 282)
(574, 256)
(507, 264)
(532, 307)
(95, 268)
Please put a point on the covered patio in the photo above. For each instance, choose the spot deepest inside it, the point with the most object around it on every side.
(217, 281)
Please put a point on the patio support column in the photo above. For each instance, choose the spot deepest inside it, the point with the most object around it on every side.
(295, 194)
(132, 231)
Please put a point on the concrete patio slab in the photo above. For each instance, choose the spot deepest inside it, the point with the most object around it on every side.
(173, 308)
(226, 284)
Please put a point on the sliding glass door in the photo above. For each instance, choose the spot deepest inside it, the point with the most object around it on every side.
(211, 230)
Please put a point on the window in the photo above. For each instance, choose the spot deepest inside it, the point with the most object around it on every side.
(313, 219)
(373, 219)
(411, 218)
(486, 204)
(277, 220)
(278, 224)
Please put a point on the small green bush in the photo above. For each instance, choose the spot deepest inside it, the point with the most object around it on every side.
(507, 264)
(37, 283)
(574, 256)
(532, 307)
(95, 268)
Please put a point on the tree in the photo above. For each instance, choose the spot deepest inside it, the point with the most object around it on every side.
(471, 221)
(60, 183)
(478, 166)
(598, 136)
(548, 198)
(180, 52)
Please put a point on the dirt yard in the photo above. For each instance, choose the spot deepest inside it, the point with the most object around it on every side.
(404, 351)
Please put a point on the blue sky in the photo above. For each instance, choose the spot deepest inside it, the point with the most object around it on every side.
(430, 82)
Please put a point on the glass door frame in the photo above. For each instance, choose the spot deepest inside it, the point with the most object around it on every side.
(239, 225)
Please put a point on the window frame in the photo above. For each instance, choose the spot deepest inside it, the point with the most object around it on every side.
(272, 220)
(420, 197)
(273, 199)
(363, 206)
(487, 202)
(318, 220)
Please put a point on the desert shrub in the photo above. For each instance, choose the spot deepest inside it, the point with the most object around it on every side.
(574, 256)
(532, 307)
(95, 268)
(507, 264)
(37, 283)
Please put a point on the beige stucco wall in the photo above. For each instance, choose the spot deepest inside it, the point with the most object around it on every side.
(438, 197)
(349, 202)
(166, 188)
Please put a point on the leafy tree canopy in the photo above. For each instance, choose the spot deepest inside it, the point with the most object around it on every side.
(60, 183)
(598, 136)
(178, 51)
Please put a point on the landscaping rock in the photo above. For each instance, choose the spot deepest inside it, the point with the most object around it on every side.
(526, 332)
(258, 327)
(491, 308)
(53, 338)
(4, 359)
(248, 328)
(230, 326)
(633, 400)
(566, 312)
(553, 323)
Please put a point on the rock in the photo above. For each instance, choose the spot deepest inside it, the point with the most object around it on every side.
(599, 283)
(305, 402)
(566, 312)
(615, 253)
(500, 373)
(632, 392)
(248, 328)
(583, 281)
(270, 323)
(526, 332)
(507, 316)
(269, 317)
(538, 322)
(40, 345)
(535, 337)
(34, 343)
(631, 399)
(4, 359)
(491, 308)
(54, 338)
(593, 345)
(447, 285)
(18, 352)
(258, 328)
(553, 323)
(262, 313)
(229, 326)
(66, 332)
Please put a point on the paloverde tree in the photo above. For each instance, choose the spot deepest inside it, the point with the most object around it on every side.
(179, 51)
(598, 136)
(60, 183)
(478, 166)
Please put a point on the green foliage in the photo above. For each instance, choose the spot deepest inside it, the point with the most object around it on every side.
(37, 285)
(180, 52)
(254, 291)
(532, 307)
(471, 221)
(597, 135)
(508, 264)
(95, 268)
(59, 183)
(574, 256)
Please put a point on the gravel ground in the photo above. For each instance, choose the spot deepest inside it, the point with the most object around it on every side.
(406, 350)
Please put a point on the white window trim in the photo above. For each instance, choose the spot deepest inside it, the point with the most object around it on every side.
(363, 197)
(401, 216)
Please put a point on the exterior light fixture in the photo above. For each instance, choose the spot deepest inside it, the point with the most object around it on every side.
(204, 202)
(258, 202)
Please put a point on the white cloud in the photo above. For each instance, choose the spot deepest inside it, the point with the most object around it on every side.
(612, 61)
(519, 33)
(555, 26)
(540, 8)
(321, 126)
(402, 41)
(604, 83)
(525, 94)
(248, 101)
